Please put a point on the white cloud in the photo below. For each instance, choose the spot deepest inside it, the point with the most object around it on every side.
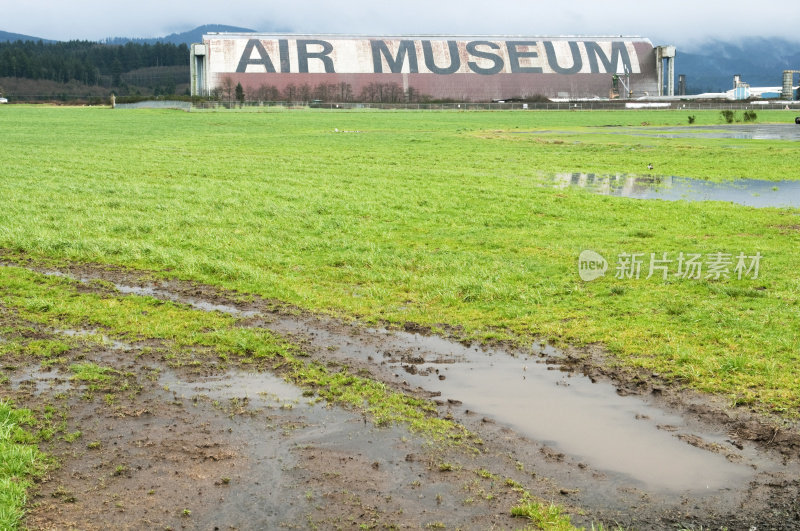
(679, 21)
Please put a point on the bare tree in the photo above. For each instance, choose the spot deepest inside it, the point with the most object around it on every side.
(268, 93)
(228, 87)
(262, 92)
(304, 92)
(393, 92)
(345, 92)
(290, 92)
(370, 92)
(325, 91)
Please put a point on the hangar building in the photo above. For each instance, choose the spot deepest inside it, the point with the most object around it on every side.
(461, 68)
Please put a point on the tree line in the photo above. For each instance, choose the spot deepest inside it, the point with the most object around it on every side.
(323, 92)
(87, 62)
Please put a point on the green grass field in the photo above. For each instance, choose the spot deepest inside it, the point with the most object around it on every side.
(438, 218)
(425, 217)
(19, 462)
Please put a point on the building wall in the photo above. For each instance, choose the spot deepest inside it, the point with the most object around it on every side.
(440, 67)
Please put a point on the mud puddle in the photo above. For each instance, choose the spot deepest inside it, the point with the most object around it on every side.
(748, 192)
(38, 381)
(625, 437)
(158, 293)
(257, 388)
(111, 343)
(588, 421)
(236, 450)
(539, 415)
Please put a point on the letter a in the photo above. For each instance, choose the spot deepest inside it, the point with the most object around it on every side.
(263, 59)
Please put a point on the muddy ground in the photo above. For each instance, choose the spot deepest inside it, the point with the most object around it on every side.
(196, 448)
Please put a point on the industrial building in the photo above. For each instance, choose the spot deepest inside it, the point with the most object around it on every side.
(403, 68)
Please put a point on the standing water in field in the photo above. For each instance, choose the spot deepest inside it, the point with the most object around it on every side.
(748, 192)
(736, 132)
(624, 436)
(628, 439)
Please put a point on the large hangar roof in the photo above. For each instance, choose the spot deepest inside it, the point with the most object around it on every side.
(436, 36)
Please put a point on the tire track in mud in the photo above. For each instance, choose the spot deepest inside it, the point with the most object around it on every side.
(427, 366)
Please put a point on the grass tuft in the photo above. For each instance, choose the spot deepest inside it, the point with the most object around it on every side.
(20, 463)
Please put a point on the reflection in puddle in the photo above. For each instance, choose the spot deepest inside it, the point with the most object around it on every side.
(736, 132)
(790, 132)
(110, 343)
(567, 411)
(194, 303)
(41, 380)
(748, 192)
(232, 385)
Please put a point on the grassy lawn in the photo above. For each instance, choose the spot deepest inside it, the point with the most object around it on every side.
(20, 461)
(436, 218)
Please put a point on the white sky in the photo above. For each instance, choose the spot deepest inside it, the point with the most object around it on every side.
(680, 22)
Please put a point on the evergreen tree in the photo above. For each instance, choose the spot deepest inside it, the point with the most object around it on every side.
(84, 61)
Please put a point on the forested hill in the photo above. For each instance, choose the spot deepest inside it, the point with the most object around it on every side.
(6, 36)
(84, 61)
(186, 37)
(33, 69)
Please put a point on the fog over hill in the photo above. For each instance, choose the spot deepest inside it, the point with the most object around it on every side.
(186, 37)
(710, 67)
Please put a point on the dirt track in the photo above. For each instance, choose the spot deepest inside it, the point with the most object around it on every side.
(203, 449)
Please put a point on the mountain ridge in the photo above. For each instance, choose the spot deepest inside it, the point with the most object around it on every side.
(7, 36)
(185, 37)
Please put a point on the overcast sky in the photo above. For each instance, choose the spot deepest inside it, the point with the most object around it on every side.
(681, 22)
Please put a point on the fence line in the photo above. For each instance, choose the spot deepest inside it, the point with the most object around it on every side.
(585, 105)
(156, 104)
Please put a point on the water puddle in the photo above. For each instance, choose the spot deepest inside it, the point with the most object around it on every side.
(789, 131)
(264, 388)
(620, 435)
(108, 342)
(748, 192)
(40, 380)
(194, 303)
(629, 438)
(734, 131)
(624, 435)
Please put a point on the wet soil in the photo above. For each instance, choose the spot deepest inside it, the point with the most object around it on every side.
(194, 448)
